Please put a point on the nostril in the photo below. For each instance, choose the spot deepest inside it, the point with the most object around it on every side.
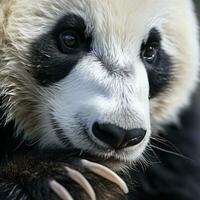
(109, 134)
(134, 137)
(118, 137)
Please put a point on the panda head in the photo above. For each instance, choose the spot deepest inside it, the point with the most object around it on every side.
(97, 75)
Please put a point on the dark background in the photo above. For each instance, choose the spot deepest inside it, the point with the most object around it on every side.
(197, 2)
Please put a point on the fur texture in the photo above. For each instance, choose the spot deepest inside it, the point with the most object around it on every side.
(108, 83)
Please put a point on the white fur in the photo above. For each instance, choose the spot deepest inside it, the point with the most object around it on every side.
(90, 93)
(87, 96)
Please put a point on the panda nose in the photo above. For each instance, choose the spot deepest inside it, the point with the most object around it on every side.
(118, 137)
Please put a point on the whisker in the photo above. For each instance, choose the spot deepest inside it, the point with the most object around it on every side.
(154, 153)
(165, 142)
(171, 152)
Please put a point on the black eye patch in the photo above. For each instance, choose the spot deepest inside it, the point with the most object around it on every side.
(50, 61)
(159, 68)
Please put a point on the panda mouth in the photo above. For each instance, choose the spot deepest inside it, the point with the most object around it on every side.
(106, 154)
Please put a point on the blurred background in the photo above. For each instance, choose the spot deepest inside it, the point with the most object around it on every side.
(197, 2)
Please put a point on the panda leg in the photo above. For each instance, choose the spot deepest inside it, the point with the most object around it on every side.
(82, 181)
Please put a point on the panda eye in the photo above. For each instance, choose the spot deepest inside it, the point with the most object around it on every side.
(70, 42)
(150, 53)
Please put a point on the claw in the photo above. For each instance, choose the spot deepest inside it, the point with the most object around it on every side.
(82, 181)
(105, 173)
(60, 190)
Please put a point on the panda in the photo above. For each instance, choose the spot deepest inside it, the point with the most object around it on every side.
(89, 89)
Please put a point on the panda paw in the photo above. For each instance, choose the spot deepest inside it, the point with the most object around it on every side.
(26, 177)
(80, 179)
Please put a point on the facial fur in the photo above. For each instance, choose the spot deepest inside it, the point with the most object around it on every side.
(55, 97)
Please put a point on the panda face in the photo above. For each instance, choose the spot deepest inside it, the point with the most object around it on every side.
(100, 75)
(96, 85)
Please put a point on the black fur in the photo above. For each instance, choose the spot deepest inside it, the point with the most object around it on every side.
(28, 177)
(50, 63)
(159, 72)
